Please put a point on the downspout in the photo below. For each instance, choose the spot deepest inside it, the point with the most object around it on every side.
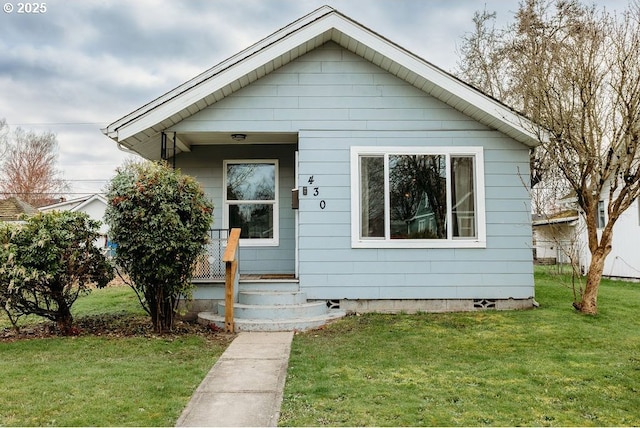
(173, 160)
(163, 146)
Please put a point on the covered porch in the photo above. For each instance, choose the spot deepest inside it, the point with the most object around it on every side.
(249, 178)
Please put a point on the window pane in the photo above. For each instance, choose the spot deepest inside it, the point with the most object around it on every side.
(372, 197)
(601, 216)
(463, 197)
(254, 220)
(418, 196)
(251, 182)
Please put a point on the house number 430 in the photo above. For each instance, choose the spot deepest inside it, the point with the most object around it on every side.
(316, 192)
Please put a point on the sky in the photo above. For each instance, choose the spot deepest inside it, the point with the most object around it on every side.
(79, 65)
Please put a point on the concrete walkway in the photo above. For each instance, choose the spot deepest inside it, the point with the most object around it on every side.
(244, 387)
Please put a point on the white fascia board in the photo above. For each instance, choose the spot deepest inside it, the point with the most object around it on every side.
(222, 79)
(544, 222)
(61, 205)
(94, 197)
(113, 130)
(307, 28)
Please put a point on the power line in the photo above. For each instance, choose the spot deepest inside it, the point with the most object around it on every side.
(46, 193)
(58, 124)
(76, 180)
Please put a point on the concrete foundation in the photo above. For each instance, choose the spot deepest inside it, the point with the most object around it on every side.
(434, 305)
(408, 306)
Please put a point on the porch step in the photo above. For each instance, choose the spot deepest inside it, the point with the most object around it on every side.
(269, 285)
(272, 305)
(272, 297)
(292, 324)
(261, 312)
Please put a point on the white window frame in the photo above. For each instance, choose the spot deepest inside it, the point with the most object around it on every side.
(270, 242)
(479, 241)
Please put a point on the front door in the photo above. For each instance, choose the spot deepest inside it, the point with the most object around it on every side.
(253, 197)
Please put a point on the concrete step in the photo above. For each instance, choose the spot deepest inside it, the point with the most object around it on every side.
(300, 310)
(291, 324)
(272, 297)
(269, 285)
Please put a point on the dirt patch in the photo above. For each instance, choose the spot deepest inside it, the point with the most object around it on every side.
(114, 325)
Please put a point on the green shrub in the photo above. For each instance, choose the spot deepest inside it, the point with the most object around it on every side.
(47, 262)
(159, 219)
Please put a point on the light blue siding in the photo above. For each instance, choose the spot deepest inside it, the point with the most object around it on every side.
(335, 100)
(331, 269)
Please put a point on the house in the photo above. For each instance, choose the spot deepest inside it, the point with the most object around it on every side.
(93, 205)
(555, 237)
(562, 238)
(13, 208)
(624, 260)
(407, 191)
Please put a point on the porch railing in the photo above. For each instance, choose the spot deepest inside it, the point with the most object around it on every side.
(209, 265)
(230, 259)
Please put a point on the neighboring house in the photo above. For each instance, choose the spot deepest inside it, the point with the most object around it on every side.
(555, 237)
(624, 260)
(409, 191)
(13, 208)
(92, 205)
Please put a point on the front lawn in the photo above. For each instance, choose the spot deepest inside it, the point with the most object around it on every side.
(548, 366)
(115, 373)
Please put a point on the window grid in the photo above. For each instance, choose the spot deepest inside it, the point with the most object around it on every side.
(273, 240)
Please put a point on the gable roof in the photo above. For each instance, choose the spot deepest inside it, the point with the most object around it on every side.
(137, 129)
(75, 204)
(11, 209)
(566, 216)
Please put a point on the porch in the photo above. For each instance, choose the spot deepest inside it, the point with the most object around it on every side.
(260, 301)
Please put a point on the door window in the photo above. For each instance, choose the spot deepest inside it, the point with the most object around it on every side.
(251, 200)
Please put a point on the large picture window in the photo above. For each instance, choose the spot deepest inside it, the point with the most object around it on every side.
(251, 200)
(417, 197)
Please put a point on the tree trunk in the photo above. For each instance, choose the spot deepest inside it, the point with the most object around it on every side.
(588, 303)
(64, 319)
(165, 317)
(161, 309)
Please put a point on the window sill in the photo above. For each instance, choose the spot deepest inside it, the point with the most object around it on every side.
(245, 243)
(418, 244)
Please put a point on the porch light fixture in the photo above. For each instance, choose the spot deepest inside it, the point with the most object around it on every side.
(238, 137)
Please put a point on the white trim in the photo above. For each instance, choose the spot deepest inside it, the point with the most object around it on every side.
(286, 45)
(296, 218)
(73, 204)
(112, 130)
(480, 241)
(271, 242)
(95, 197)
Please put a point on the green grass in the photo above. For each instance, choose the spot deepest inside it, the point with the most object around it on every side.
(144, 380)
(105, 301)
(109, 300)
(546, 367)
(549, 366)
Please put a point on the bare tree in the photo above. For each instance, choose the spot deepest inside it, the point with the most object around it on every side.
(4, 139)
(29, 166)
(574, 70)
